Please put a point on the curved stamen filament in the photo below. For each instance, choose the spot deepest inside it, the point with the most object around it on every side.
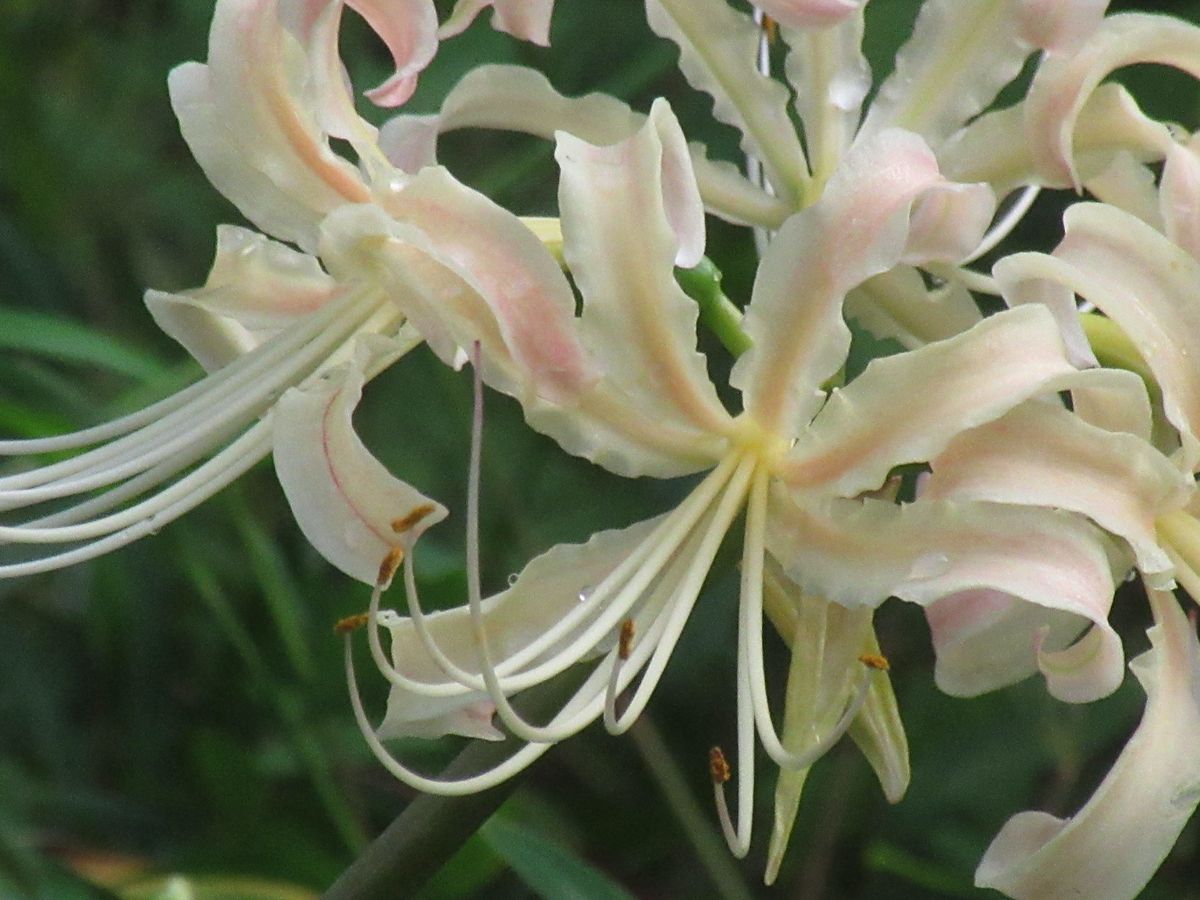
(1003, 228)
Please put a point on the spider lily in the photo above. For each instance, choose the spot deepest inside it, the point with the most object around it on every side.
(622, 385)
(1139, 266)
(258, 118)
(1067, 131)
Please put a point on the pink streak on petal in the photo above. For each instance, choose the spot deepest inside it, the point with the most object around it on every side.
(808, 13)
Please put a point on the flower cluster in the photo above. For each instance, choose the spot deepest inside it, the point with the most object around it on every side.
(1058, 449)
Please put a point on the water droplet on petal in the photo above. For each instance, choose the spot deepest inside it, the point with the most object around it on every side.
(512, 579)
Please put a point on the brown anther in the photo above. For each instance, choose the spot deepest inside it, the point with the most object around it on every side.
(718, 766)
(875, 661)
(404, 523)
(388, 567)
(771, 29)
(625, 640)
(351, 623)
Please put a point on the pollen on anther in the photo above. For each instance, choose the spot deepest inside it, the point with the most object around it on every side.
(625, 640)
(718, 766)
(770, 28)
(406, 522)
(875, 661)
(388, 567)
(351, 623)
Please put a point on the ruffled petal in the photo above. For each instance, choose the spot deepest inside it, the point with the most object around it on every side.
(862, 551)
(351, 509)
(1043, 455)
(1113, 845)
(1145, 284)
(213, 340)
(959, 56)
(528, 20)
(545, 591)
(994, 148)
(906, 408)
(635, 202)
(514, 98)
(809, 13)
(897, 305)
(1063, 83)
(858, 229)
(718, 49)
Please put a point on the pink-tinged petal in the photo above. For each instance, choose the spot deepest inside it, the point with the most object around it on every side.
(513, 98)
(547, 589)
(1059, 26)
(858, 229)
(1027, 279)
(1115, 400)
(948, 221)
(808, 13)
(528, 20)
(409, 30)
(594, 421)
(994, 147)
(862, 551)
(1113, 845)
(908, 407)
(1145, 284)
(718, 49)
(897, 305)
(507, 265)
(831, 78)
(621, 244)
(959, 57)
(1040, 454)
(1180, 196)
(1129, 185)
(351, 509)
(1063, 83)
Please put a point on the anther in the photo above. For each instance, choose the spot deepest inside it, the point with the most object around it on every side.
(770, 28)
(351, 623)
(388, 567)
(875, 661)
(625, 640)
(718, 766)
(406, 522)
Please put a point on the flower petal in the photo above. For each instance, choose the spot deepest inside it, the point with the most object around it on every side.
(858, 229)
(621, 242)
(514, 98)
(862, 551)
(1060, 26)
(1145, 284)
(718, 49)
(351, 509)
(1112, 846)
(1129, 185)
(1063, 83)
(1180, 196)
(528, 20)
(1043, 455)
(808, 13)
(994, 148)
(545, 591)
(906, 408)
(408, 29)
(959, 56)
(897, 305)
(213, 340)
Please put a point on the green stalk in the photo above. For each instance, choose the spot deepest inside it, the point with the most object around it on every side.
(717, 312)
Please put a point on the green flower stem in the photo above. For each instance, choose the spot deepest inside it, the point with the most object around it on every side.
(1114, 349)
(717, 312)
(432, 828)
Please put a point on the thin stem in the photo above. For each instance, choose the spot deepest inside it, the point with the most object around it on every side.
(717, 312)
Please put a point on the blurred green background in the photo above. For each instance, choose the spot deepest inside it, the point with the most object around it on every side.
(179, 707)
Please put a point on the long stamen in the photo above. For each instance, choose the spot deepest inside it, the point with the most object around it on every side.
(1003, 228)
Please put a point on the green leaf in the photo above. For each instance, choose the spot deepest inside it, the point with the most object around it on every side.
(549, 869)
(71, 342)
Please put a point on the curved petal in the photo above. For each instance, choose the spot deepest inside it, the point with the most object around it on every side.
(1180, 196)
(211, 339)
(1063, 83)
(621, 242)
(896, 304)
(1060, 26)
(408, 29)
(351, 509)
(858, 229)
(718, 49)
(514, 98)
(1043, 455)
(545, 591)
(1129, 185)
(1145, 284)
(809, 13)
(994, 148)
(1113, 845)
(959, 56)
(528, 20)
(860, 552)
(906, 408)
